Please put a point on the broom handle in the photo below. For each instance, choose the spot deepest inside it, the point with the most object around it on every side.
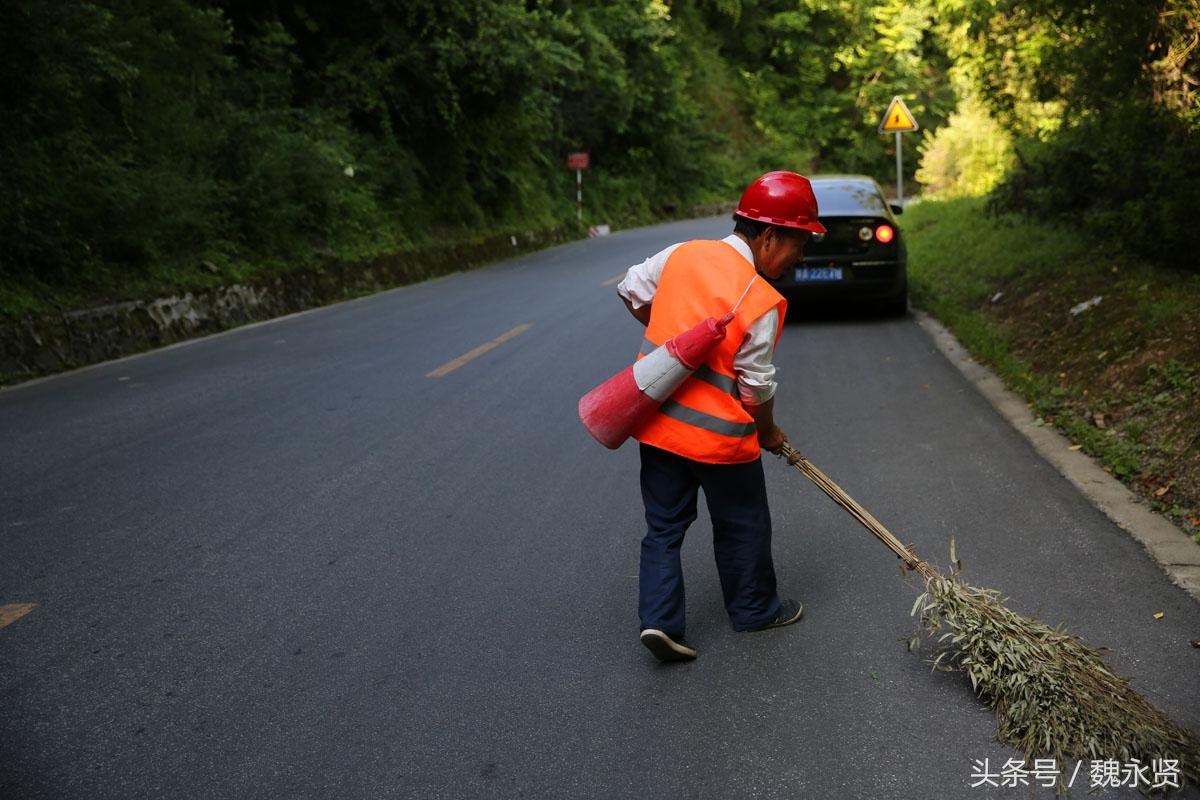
(839, 496)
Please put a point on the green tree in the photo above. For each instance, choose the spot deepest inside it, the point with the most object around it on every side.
(1100, 96)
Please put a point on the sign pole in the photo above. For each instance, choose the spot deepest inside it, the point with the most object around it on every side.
(578, 162)
(898, 119)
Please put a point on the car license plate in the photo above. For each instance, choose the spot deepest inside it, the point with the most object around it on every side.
(818, 274)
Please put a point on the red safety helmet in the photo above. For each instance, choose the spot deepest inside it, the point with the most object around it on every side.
(781, 198)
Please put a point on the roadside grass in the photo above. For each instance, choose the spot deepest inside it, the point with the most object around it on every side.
(1121, 377)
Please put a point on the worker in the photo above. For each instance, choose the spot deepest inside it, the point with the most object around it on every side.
(708, 435)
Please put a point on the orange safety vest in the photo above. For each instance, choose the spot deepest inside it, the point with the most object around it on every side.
(704, 419)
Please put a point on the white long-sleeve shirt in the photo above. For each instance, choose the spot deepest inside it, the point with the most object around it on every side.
(752, 363)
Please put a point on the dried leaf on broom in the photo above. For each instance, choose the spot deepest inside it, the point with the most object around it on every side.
(1053, 695)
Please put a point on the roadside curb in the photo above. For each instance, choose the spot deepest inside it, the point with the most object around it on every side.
(1174, 551)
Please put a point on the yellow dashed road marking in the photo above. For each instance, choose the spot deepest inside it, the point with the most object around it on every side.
(450, 366)
(14, 611)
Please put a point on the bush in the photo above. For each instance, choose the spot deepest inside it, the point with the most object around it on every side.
(967, 156)
(1129, 176)
(294, 183)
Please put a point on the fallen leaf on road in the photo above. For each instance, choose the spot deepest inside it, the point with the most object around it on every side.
(1075, 447)
(1158, 615)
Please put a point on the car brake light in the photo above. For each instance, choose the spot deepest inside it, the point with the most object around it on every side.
(884, 234)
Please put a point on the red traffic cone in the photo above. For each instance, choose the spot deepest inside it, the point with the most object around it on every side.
(618, 407)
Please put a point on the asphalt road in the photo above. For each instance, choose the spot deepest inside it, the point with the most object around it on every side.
(283, 562)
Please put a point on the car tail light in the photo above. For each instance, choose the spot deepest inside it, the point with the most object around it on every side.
(884, 234)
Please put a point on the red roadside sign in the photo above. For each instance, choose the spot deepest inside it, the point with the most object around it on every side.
(577, 160)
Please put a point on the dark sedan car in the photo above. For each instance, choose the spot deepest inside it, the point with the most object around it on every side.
(862, 254)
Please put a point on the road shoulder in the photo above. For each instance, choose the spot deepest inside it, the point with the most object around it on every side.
(1170, 547)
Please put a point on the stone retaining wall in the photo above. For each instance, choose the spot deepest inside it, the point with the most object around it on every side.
(35, 346)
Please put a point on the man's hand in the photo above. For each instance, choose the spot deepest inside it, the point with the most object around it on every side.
(773, 440)
(770, 437)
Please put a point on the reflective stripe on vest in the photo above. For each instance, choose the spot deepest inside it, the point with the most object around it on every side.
(704, 419)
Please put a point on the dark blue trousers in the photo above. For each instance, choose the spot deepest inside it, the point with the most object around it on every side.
(737, 502)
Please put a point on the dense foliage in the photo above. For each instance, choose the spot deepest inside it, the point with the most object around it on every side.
(152, 135)
(1101, 99)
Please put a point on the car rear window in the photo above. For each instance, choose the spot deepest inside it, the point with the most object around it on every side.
(847, 198)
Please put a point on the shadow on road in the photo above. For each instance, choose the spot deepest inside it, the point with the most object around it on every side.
(843, 311)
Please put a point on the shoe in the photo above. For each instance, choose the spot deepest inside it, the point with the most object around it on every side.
(790, 611)
(665, 648)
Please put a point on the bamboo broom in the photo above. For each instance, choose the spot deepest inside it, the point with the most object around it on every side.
(1053, 695)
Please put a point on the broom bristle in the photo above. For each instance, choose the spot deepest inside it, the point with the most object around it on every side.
(1053, 695)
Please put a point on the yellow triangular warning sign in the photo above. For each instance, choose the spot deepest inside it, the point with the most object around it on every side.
(898, 118)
